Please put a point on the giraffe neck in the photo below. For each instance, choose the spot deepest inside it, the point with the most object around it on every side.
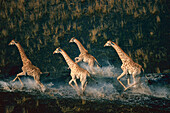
(122, 55)
(80, 46)
(69, 61)
(22, 54)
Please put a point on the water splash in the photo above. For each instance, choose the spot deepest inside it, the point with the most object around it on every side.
(102, 91)
(107, 88)
(5, 86)
(105, 71)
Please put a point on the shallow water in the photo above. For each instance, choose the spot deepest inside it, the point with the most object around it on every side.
(106, 96)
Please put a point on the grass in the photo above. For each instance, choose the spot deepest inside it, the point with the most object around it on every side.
(93, 34)
(56, 43)
(4, 32)
(40, 22)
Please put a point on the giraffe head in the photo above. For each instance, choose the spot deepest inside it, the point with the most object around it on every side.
(109, 43)
(13, 42)
(72, 40)
(58, 50)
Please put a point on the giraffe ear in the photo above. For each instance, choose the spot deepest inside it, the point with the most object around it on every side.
(112, 43)
(59, 49)
(73, 38)
(15, 41)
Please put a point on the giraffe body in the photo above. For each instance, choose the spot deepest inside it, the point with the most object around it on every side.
(128, 65)
(76, 71)
(84, 55)
(28, 68)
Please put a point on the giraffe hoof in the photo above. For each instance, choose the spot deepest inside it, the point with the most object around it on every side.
(43, 89)
(122, 95)
(22, 88)
(125, 89)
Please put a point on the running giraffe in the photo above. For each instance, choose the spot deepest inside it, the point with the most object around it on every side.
(84, 55)
(28, 68)
(76, 71)
(128, 66)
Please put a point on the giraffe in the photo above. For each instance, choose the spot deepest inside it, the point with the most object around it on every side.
(84, 55)
(128, 65)
(28, 68)
(76, 71)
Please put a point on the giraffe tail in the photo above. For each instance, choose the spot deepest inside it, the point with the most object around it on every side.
(97, 62)
(92, 78)
(48, 73)
(144, 74)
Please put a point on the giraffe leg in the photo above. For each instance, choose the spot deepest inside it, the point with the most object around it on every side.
(77, 88)
(130, 86)
(83, 85)
(91, 64)
(134, 83)
(128, 80)
(40, 84)
(37, 80)
(76, 83)
(98, 66)
(118, 78)
(134, 79)
(73, 79)
(70, 83)
(19, 74)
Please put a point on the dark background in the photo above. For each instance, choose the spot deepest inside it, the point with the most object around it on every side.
(139, 27)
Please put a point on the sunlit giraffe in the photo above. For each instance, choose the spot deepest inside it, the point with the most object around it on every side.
(128, 65)
(28, 68)
(84, 55)
(76, 71)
